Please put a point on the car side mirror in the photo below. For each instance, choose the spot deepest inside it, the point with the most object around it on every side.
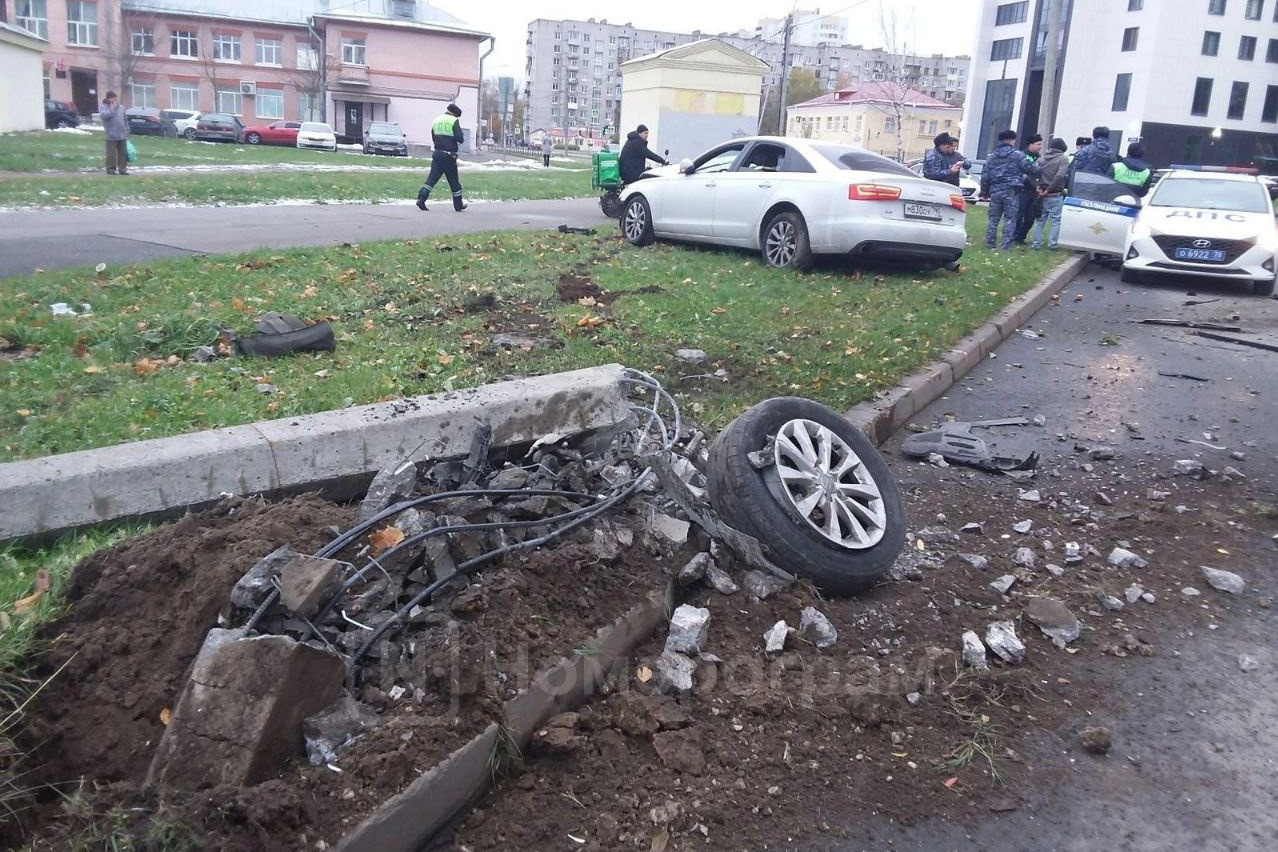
(685, 166)
(1127, 201)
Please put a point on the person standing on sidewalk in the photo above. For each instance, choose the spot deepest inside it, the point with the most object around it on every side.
(1029, 208)
(1053, 172)
(1005, 171)
(547, 147)
(116, 125)
(446, 139)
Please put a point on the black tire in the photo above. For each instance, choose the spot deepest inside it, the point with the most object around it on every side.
(636, 221)
(610, 203)
(1263, 288)
(754, 500)
(1129, 276)
(784, 243)
(189, 134)
(253, 139)
(62, 122)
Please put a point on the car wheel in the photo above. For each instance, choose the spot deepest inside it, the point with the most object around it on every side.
(189, 134)
(824, 503)
(1263, 288)
(636, 222)
(62, 122)
(785, 242)
(610, 203)
(1129, 276)
(253, 139)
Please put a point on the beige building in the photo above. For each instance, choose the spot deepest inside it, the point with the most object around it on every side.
(692, 97)
(891, 120)
(22, 89)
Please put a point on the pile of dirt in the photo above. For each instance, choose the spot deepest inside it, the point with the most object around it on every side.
(572, 288)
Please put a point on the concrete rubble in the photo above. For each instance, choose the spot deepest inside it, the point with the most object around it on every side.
(1001, 638)
(306, 581)
(689, 629)
(328, 732)
(1003, 583)
(673, 673)
(1225, 581)
(721, 581)
(816, 628)
(1054, 619)
(1122, 558)
(761, 585)
(695, 569)
(259, 581)
(1024, 557)
(974, 651)
(774, 638)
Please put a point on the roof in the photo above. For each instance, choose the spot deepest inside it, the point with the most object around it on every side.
(687, 49)
(298, 12)
(877, 93)
(12, 29)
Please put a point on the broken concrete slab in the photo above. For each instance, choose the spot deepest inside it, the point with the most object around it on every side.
(816, 628)
(689, 629)
(392, 483)
(1054, 619)
(1003, 584)
(1001, 638)
(974, 651)
(695, 569)
(774, 638)
(305, 582)
(762, 586)
(1122, 558)
(335, 452)
(668, 530)
(335, 727)
(240, 714)
(1225, 581)
(259, 581)
(673, 672)
(721, 581)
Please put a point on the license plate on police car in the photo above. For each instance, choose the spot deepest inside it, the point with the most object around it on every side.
(917, 210)
(1215, 255)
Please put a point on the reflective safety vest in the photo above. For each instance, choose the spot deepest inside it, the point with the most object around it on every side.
(444, 125)
(1123, 174)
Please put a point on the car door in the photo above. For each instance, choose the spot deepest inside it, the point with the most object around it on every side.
(1091, 220)
(744, 193)
(687, 207)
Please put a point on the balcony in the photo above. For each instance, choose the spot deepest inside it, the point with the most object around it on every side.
(353, 75)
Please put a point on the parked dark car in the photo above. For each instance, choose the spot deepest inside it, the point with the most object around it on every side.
(148, 121)
(219, 127)
(384, 137)
(60, 114)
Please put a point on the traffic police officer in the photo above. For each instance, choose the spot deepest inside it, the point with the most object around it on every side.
(446, 136)
(1133, 170)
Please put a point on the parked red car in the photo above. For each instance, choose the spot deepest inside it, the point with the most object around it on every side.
(275, 133)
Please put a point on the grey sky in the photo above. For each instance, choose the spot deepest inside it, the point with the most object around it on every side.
(935, 26)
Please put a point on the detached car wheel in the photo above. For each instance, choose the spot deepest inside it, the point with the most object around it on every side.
(610, 203)
(785, 242)
(816, 493)
(636, 221)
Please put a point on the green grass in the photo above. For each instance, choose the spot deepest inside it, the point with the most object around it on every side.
(836, 335)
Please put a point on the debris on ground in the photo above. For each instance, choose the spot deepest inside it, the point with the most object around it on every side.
(1001, 638)
(279, 334)
(1121, 557)
(974, 651)
(1225, 581)
(816, 628)
(1096, 739)
(1054, 619)
(955, 443)
(689, 629)
(774, 638)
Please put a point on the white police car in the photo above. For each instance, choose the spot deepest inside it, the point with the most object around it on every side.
(1204, 221)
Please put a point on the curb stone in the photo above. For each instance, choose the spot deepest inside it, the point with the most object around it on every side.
(408, 820)
(879, 418)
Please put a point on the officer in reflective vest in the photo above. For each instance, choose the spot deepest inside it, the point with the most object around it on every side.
(1133, 170)
(446, 136)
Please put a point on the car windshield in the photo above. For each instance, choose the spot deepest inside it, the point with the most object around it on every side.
(315, 127)
(380, 127)
(1211, 194)
(855, 159)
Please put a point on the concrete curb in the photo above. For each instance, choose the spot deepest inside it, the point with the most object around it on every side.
(335, 452)
(879, 418)
(408, 820)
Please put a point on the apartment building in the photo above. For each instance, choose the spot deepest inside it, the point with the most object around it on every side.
(1195, 80)
(809, 28)
(877, 117)
(348, 62)
(573, 70)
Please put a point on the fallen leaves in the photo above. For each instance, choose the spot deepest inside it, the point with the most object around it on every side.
(384, 539)
(590, 321)
(41, 586)
(93, 369)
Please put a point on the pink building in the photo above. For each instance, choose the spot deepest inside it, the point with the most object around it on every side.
(348, 63)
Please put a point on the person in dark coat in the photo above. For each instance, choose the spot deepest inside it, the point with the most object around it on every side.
(1133, 170)
(1096, 156)
(635, 155)
(446, 139)
(1053, 170)
(1001, 180)
(1029, 208)
(943, 162)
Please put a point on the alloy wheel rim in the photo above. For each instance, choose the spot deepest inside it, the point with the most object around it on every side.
(636, 219)
(825, 482)
(781, 244)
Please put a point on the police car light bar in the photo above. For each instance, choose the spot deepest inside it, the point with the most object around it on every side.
(1232, 170)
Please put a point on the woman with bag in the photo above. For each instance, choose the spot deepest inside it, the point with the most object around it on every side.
(116, 125)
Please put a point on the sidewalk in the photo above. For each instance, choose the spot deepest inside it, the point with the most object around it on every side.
(51, 239)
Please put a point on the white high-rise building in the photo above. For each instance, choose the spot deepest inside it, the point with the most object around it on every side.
(1195, 80)
(810, 29)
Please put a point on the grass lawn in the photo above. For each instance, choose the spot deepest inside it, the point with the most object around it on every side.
(404, 328)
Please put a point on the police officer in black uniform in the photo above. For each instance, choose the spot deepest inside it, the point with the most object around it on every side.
(446, 136)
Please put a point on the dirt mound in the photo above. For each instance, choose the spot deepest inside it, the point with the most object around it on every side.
(572, 288)
(138, 614)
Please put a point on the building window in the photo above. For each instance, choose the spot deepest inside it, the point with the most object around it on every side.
(1271, 55)
(307, 60)
(1135, 5)
(353, 51)
(184, 97)
(1122, 88)
(1202, 96)
(142, 94)
(229, 101)
(1255, 8)
(270, 103)
(226, 48)
(82, 22)
(33, 16)
(889, 125)
(184, 43)
(1211, 43)
(1247, 48)
(1130, 35)
(1237, 100)
(1011, 13)
(1270, 112)
(1215, 7)
(269, 51)
(1007, 48)
(142, 40)
(307, 106)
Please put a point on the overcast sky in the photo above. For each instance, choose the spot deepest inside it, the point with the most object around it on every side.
(937, 26)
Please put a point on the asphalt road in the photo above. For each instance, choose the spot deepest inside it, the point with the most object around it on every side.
(1195, 764)
(51, 239)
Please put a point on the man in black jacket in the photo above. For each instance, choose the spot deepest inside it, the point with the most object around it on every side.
(635, 155)
(446, 137)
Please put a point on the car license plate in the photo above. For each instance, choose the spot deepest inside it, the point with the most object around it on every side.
(1216, 255)
(915, 210)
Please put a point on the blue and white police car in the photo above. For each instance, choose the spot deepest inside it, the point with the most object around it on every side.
(1204, 221)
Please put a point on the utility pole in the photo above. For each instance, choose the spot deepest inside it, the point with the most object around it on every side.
(1047, 100)
(785, 74)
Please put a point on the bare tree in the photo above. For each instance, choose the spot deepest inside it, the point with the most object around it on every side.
(119, 59)
(896, 97)
(311, 80)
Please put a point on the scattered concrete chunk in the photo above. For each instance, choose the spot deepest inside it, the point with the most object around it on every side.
(694, 356)
(1110, 602)
(392, 483)
(305, 581)
(973, 528)
(695, 569)
(511, 479)
(667, 529)
(1097, 740)
(1225, 581)
(937, 536)
(1030, 496)
(1054, 619)
(761, 585)
(251, 589)
(1234, 473)
(1023, 527)
(1123, 558)
(974, 561)
(720, 580)
(1054, 570)
(334, 728)
(1024, 557)
(1002, 584)
(774, 638)
(1073, 552)
(1133, 593)
(673, 672)
(816, 628)
(1189, 467)
(240, 714)
(974, 651)
(1190, 592)
(689, 629)
(1001, 638)
(1247, 663)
